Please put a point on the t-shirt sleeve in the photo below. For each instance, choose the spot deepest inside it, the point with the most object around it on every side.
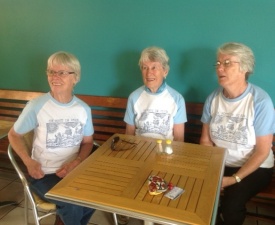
(206, 113)
(27, 120)
(88, 128)
(180, 116)
(264, 117)
(129, 116)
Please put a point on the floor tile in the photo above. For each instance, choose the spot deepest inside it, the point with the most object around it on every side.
(4, 183)
(12, 192)
(8, 175)
(105, 218)
(16, 217)
(102, 218)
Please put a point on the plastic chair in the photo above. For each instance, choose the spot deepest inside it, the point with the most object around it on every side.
(36, 202)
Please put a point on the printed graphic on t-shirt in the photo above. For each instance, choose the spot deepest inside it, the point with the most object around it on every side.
(63, 133)
(155, 121)
(230, 128)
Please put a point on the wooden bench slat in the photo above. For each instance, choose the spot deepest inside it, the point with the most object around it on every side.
(10, 113)
(12, 105)
(107, 113)
(106, 122)
(110, 130)
(19, 95)
(194, 108)
(8, 118)
(110, 102)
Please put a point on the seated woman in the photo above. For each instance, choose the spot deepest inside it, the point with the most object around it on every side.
(155, 109)
(239, 117)
(63, 132)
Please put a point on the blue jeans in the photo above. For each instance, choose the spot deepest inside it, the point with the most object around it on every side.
(69, 213)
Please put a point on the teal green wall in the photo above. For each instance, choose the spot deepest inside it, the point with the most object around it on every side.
(108, 35)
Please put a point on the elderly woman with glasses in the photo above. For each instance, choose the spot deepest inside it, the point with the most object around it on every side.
(239, 117)
(155, 109)
(62, 134)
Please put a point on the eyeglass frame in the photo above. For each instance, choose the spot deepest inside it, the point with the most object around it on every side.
(226, 63)
(60, 73)
(116, 139)
(152, 68)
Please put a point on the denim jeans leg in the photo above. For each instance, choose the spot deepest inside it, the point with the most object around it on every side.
(70, 214)
(73, 214)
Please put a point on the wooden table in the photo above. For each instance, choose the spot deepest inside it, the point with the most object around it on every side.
(5, 126)
(116, 181)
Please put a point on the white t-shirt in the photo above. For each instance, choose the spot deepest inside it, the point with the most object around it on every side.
(58, 129)
(235, 123)
(154, 114)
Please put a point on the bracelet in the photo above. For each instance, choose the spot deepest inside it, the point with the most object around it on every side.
(238, 179)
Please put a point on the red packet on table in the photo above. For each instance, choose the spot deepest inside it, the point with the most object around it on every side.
(156, 185)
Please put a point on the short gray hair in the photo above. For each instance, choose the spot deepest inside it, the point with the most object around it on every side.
(66, 59)
(243, 52)
(155, 54)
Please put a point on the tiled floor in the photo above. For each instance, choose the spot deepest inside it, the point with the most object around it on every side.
(11, 190)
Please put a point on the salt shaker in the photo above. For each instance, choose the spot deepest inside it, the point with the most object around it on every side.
(160, 150)
(168, 147)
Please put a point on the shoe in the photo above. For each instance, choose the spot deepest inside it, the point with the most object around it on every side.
(58, 221)
(122, 220)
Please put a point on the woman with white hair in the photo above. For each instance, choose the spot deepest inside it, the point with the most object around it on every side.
(239, 117)
(155, 109)
(63, 130)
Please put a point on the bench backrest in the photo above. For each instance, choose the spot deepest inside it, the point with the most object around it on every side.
(13, 102)
(107, 112)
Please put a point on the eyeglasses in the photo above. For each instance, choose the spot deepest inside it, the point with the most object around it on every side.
(60, 73)
(226, 63)
(115, 143)
(152, 68)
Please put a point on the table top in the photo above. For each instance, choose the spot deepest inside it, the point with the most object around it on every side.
(5, 126)
(117, 181)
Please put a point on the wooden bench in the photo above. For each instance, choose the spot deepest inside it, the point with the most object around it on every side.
(108, 114)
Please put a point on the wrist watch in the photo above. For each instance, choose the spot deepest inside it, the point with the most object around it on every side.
(238, 179)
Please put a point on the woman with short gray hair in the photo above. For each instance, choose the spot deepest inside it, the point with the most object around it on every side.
(155, 109)
(239, 117)
(63, 135)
